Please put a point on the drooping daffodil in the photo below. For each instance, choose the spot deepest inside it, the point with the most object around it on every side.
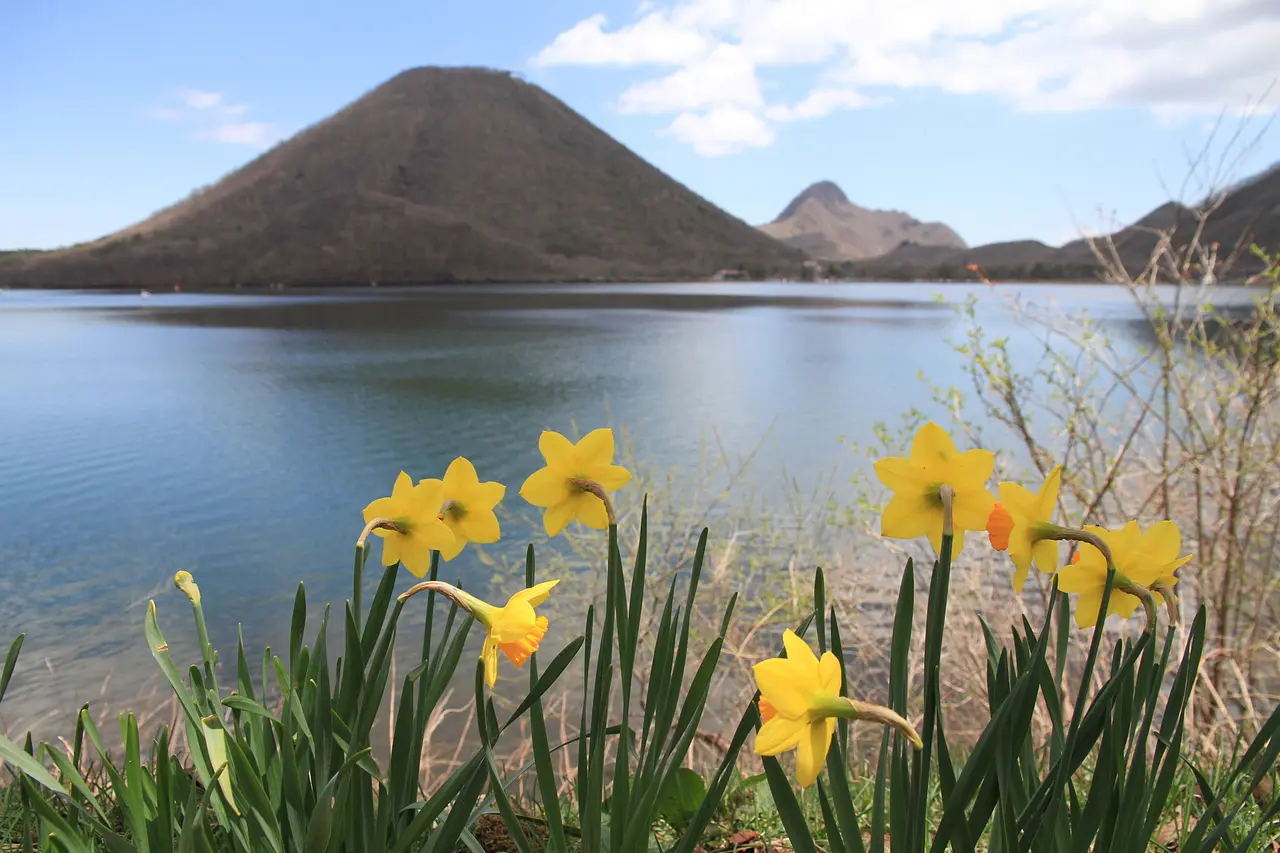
(467, 506)
(800, 702)
(514, 629)
(1140, 560)
(409, 524)
(1018, 523)
(577, 479)
(916, 508)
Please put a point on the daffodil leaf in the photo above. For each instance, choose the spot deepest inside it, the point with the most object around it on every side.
(10, 661)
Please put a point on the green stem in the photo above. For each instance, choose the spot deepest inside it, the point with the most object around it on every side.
(935, 624)
(206, 648)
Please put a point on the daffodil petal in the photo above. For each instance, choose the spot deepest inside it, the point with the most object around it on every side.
(1087, 609)
(558, 516)
(811, 751)
(489, 654)
(1045, 555)
(909, 516)
(514, 622)
(415, 554)
(595, 450)
(784, 685)
(1162, 541)
(800, 655)
(536, 594)
(972, 468)
(486, 496)
(612, 477)
(1019, 576)
(546, 487)
(391, 548)
(901, 475)
(1078, 580)
(1123, 604)
(426, 498)
(1047, 497)
(403, 484)
(452, 549)
(381, 508)
(460, 475)
(778, 735)
(558, 451)
(829, 674)
(972, 507)
(480, 526)
(932, 442)
(591, 511)
(1020, 502)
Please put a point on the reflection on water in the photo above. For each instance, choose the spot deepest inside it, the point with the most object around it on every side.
(239, 437)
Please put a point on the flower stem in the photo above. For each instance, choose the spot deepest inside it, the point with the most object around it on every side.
(1071, 534)
(1170, 600)
(594, 488)
(885, 717)
(377, 524)
(948, 496)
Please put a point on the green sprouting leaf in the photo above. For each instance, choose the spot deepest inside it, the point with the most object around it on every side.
(682, 797)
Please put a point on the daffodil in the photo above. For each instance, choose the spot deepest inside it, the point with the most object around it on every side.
(1136, 564)
(1018, 522)
(1163, 542)
(409, 524)
(916, 508)
(799, 703)
(467, 506)
(513, 629)
(576, 481)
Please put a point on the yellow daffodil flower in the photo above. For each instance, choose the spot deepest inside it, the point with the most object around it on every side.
(467, 506)
(1018, 519)
(916, 481)
(1163, 542)
(799, 703)
(575, 483)
(514, 629)
(1136, 568)
(414, 528)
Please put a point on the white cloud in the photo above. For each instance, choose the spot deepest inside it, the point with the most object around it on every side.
(821, 103)
(725, 77)
(255, 134)
(210, 117)
(198, 99)
(171, 114)
(1177, 58)
(722, 130)
(653, 39)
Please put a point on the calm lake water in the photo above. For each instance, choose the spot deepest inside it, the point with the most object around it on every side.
(239, 437)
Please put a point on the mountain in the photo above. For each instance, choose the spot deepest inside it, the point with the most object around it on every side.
(440, 174)
(1248, 214)
(824, 224)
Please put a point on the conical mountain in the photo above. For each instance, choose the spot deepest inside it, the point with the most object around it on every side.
(822, 222)
(440, 174)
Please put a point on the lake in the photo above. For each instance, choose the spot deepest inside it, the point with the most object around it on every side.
(239, 437)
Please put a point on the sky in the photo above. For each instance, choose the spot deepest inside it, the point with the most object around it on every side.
(1006, 119)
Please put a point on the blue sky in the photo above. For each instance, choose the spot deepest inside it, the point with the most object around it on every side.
(1003, 118)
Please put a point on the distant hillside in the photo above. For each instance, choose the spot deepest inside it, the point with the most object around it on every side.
(439, 174)
(1249, 214)
(824, 224)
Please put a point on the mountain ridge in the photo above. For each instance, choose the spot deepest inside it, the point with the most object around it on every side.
(436, 175)
(822, 222)
(1248, 214)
